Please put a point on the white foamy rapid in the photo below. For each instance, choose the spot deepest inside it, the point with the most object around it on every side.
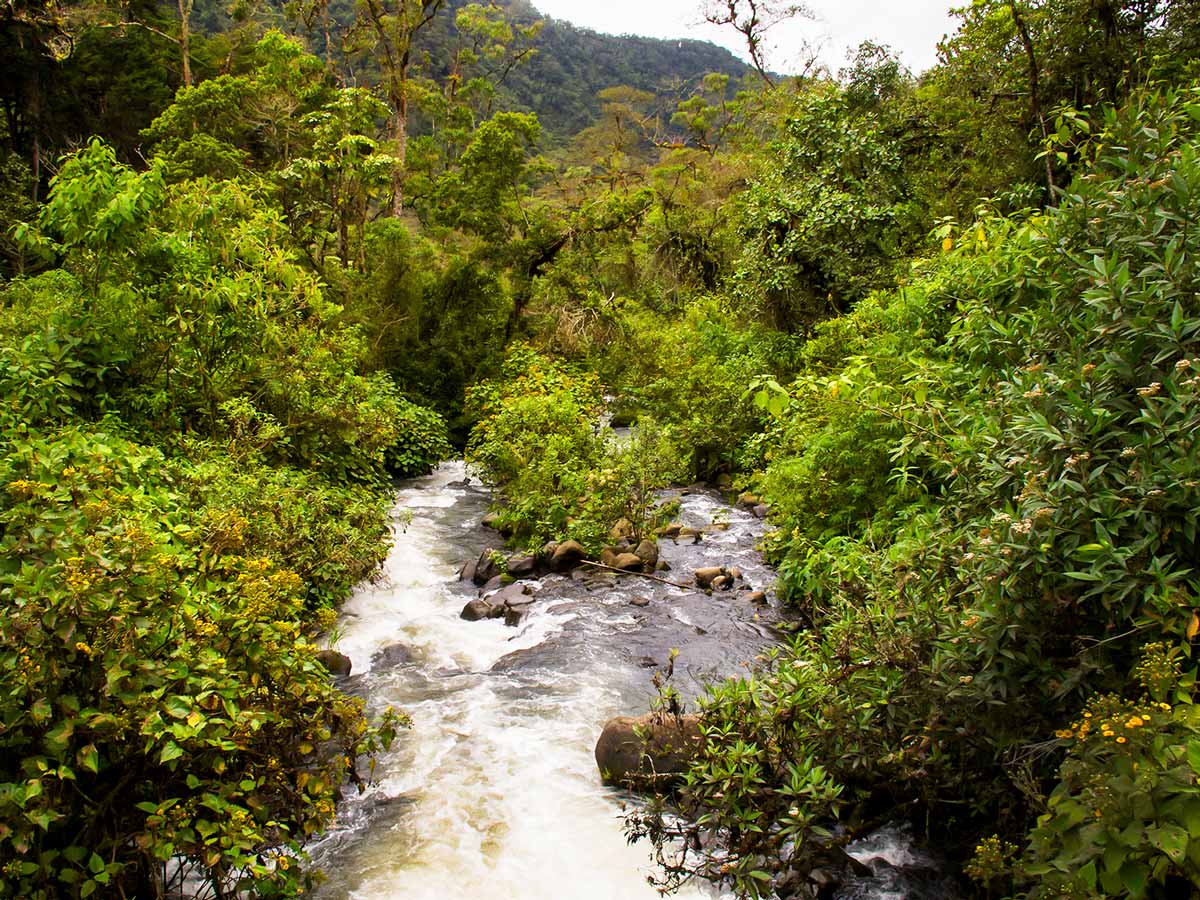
(494, 793)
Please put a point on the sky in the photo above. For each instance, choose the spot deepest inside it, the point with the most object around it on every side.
(912, 28)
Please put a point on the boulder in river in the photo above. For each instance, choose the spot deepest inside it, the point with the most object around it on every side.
(694, 533)
(521, 565)
(707, 575)
(608, 557)
(515, 613)
(628, 562)
(640, 602)
(567, 555)
(492, 584)
(623, 530)
(391, 656)
(486, 567)
(477, 610)
(338, 664)
(761, 511)
(647, 751)
(647, 552)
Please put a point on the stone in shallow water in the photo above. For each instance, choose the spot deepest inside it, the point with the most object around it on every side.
(476, 610)
(647, 751)
(391, 656)
(338, 664)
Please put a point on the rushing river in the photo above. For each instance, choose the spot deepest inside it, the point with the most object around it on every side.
(494, 792)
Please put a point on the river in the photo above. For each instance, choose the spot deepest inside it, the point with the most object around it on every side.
(494, 792)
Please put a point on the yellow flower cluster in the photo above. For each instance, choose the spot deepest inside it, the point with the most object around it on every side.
(23, 488)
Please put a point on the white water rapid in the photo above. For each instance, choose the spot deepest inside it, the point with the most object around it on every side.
(494, 793)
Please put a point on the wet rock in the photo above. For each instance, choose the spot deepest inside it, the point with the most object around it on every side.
(514, 615)
(735, 573)
(647, 751)
(671, 531)
(486, 567)
(641, 602)
(492, 584)
(337, 664)
(647, 552)
(567, 555)
(748, 500)
(391, 656)
(758, 597)
(722, 583)
(476, 610)
(547, 550)
(513, 595)
(521, 566)
(694, 533)
(648, 662)
(628, 562)
(707, 575)
(761, 511)
(467, 572)
(608, 557)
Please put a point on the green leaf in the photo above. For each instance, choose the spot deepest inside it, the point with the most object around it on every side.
(1133, 874)
(89, 758)
(170, 751)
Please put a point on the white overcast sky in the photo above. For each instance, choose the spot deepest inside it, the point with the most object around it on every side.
(910, 27)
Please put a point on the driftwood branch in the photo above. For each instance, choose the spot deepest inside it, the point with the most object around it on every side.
(597, 565)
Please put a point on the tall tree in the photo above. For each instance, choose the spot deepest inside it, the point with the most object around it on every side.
(390, 28)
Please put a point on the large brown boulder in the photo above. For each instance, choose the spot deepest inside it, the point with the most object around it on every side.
(648, 751)
(486, 567)
(477, 610)
(647, 551)
(628, 562)
(567, 555)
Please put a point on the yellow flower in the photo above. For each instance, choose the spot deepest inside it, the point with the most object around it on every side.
(1135, 722)
(1064, 733)
(1120, 740)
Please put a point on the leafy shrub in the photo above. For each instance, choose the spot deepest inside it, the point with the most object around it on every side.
(161, 698)
(1039, 528)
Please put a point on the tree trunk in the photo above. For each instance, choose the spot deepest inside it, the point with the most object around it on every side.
(1035, 103)
(185, 35)
(400, 139)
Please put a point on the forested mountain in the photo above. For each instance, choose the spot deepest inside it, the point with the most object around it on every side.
(572, 65)
(258, 262)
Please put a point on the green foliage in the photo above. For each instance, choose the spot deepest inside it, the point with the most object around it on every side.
(423, 441)
(828, 215)
(1125, 814)
(536, 440)
(162, 701)
(986, 483)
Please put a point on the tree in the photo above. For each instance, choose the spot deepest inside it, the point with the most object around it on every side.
(752, 19)
(390, 28)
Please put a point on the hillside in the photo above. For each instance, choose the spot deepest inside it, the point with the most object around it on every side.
(573, 64)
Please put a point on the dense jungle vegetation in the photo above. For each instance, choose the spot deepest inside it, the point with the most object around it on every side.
(259, 260)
